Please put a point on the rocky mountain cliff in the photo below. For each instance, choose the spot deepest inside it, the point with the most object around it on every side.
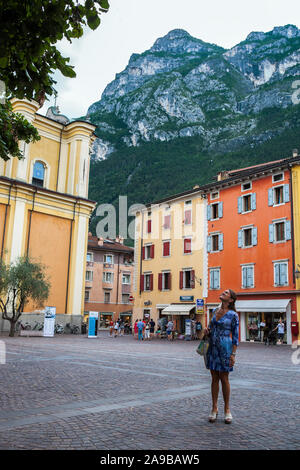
(199, 101)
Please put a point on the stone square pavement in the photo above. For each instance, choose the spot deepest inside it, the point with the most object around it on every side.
(71, 392)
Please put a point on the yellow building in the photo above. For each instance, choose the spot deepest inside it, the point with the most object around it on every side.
(170, 260)
(44, 205)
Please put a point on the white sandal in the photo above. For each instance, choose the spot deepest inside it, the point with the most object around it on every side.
(228, 418)
(213, 416)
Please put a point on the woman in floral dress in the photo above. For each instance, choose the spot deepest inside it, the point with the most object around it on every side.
(223, 332)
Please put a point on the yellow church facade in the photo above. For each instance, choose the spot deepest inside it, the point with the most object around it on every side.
(44, 205)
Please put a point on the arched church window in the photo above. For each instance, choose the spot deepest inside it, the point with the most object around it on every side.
(38, 174)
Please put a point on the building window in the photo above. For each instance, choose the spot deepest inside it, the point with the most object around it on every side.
(89, 276)
(38, 174)
(109, 259)
(247, 277)
(148, 251)
(247, 237)
(126, 279)
(106, 297)
(125, 298)
(246, 186)
(281, 274)
(149, 226)
(167, 222)
(108, 277)
(247, 203)
(166, 248)
(277, 177)
(187, 279)
(86, 295)
(89, 257)
(148, 281)
(215, 211)
(214, 278)
(187, 245)
(215, 195)
(279, 195)
(188, 212)
(215, 242)
(166, 281)
(280, 231)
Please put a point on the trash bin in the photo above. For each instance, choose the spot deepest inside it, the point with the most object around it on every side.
(83, 328)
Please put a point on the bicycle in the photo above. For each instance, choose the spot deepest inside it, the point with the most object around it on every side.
(74, 329)
(59, 329)
(38, 326)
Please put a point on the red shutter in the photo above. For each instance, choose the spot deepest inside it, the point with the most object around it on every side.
(143, 252)
(187, 245)
(166, 249)
(159, 281)
(181, 280)
(151, 281)
(149, 226)
(142, 282)
(192, 279)
(152, 251)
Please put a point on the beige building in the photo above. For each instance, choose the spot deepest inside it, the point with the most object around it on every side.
(108, 281)
(170, 263)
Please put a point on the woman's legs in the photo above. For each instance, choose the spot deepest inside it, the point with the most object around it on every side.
(215, 389)
(224, 377)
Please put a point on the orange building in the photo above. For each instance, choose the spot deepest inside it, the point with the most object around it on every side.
(250, 246)
(109, 279)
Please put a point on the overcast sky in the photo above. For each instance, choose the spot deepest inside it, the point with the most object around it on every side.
(132, 26)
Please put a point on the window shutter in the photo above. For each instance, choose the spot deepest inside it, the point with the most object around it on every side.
(220, 209)
(254, 236)
(253, 201)
(286, 193)
(170, 281)
(271, 233)
(277, 267)
(240, 238)
(142, 278)
(288, 234)
(167, 222)
(208, 212)
(152, 251)
(250, 280)
(283, 274)
(211, 280)
(166, 249)
(181, 280)
(160, 281)
(221, 244)
(240, 202)
(188, 217)
(187, 245)
(244, 276)
(149, 226)
(217, 277)
(151, 281)
(192, 285)
(270, 197)
(209, 244)
(143, 252)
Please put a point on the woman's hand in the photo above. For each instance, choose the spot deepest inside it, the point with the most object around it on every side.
(231, 360)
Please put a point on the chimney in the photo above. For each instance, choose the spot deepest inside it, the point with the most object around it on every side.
(196, 186)
(222, 175)
(295, 152)
(100, 241)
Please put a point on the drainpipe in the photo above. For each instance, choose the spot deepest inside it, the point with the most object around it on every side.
(29, 228)
(118, 279)
(141, 257)
(292, 227)
(58, 165)
(5, 217)
(69, 257)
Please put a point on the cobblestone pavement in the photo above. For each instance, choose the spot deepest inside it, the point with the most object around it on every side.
(71, 392)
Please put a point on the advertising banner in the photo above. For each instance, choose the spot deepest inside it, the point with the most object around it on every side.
(49, 321)
(93, 324)
(200, 305)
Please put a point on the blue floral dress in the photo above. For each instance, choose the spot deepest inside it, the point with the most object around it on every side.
(220, 341)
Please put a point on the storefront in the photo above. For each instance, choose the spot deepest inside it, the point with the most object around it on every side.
(270, 312)
(104, 319)
(127, 319)
(179, 313)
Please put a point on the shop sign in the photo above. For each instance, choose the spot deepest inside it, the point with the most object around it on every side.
(186, 298)
(200, 305)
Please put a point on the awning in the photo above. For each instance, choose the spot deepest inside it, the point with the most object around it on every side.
(273, 305)
(178, 309)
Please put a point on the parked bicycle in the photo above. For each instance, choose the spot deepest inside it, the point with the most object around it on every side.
(59, 329)
(22, 326)
(73, 329)
(38, 326)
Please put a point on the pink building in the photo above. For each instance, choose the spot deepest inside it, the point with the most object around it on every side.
(109, 279)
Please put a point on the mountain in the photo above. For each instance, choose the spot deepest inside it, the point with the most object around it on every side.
(185, 109)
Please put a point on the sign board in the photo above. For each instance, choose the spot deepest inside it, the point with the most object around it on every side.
(200, 305)
(49, 321)
(131, 298)
(186, 298)
(188, 328)
(93, 324)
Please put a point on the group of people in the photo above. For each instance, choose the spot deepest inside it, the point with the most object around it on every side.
(144, 329)
(266, 333)
(117, 328)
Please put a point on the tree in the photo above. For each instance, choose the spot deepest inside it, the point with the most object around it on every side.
(28, 55)
(20, 282)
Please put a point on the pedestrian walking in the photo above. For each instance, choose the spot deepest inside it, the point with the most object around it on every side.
(116, 328)
(262, 326)
(121, 327)
(111, 328)
(141, 326)
(280, 331)
(152, 326)
(170, 327)
(135, 329)
(147, 331)
(222, 351)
